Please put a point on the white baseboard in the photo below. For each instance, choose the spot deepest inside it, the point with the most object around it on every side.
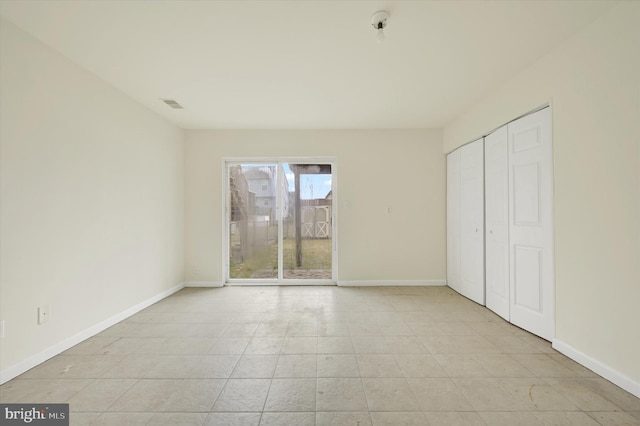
(23, 366)
(204, 284)
(392, 283)
(353, 283)
(598, 367)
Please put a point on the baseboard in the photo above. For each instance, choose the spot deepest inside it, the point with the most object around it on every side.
(204, 284)
(598, 367)
(23, 366)
(391, 283)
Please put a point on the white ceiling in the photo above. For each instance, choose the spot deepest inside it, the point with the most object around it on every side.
(303, 64)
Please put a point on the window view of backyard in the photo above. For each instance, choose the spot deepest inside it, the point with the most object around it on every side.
(304, 197)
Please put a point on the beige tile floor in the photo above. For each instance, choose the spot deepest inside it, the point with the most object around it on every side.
(321, 356)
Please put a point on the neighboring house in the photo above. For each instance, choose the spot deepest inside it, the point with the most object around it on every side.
(263, 182)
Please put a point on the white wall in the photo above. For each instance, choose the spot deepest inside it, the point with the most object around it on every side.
(593, 84)
(404, 169)
(92, 200)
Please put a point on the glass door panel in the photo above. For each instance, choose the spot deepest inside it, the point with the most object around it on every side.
(253, 222)
(307, 222)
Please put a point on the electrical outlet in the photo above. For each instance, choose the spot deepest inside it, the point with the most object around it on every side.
(43, 314)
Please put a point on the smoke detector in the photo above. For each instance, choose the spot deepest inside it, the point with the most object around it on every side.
(379, 22)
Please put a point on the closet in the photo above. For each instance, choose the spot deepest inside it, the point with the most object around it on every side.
(500, 222)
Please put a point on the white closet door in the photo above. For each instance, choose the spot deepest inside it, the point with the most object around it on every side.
(453, 220)
(472, 220)
(497, 222)
(531, 226)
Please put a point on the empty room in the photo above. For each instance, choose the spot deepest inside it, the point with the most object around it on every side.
(319, 212)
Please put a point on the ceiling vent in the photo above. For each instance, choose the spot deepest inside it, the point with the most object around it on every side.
(172, 103)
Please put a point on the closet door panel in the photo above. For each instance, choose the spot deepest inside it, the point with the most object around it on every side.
(497, 222)
(453, 220)
(472, 220)
(530, 224)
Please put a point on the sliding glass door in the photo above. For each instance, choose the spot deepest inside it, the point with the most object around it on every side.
(280, 222)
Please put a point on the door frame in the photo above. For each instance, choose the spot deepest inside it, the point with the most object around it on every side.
(226, 161)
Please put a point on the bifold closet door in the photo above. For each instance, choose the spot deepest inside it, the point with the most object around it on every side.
(453, 220)
(531, 224)
(497, 222)
(472, 221)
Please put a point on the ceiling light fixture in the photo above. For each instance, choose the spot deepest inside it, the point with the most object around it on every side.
(379, 22)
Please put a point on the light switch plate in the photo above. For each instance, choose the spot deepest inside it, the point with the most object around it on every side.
(43, 314)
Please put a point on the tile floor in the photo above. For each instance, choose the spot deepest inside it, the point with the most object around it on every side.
(321, 356)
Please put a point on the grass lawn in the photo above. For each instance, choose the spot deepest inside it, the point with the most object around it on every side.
(316, 254)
